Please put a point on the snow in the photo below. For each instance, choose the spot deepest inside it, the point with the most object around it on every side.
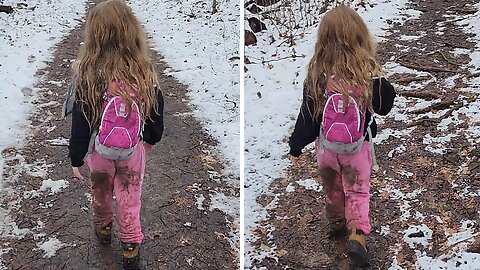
(58, 141)
(27, 39)
(310, 184)
(273, 93)
(384, 230)
(459, 261)
(53, 186)
(23, 53)
(423, 240)
(50, 247)
(199, 201)
(198, 46)
(229, 205)
(290, 188)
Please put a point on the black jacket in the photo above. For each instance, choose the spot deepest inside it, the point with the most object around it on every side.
(307, 129)
(81, 133)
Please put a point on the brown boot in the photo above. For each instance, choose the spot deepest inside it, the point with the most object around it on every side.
(338, 228)
(131, 256)
(357, 249)
(104, 234)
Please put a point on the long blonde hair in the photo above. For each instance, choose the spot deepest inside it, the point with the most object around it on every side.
(115, 48)
(344, 49)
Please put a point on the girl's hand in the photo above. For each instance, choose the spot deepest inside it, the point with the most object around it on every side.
(77, 173)
(294, 160)
(148, 147)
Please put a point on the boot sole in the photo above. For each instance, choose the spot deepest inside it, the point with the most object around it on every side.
(131, 264)
(357, 254)
(104, 239)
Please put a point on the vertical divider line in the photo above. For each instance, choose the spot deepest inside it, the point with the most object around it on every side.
(242, 134)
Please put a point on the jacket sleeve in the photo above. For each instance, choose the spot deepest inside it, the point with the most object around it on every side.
(383, 96)
(80, 135)
(153, 129)
(306, 128)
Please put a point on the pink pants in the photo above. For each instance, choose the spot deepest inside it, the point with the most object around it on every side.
(124, 178)
(346, 181)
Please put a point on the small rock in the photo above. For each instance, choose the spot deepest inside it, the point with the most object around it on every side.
(416, 234)
(266, 3)
(6, 9)
(256, 25)
(250, 38)
(254, 9)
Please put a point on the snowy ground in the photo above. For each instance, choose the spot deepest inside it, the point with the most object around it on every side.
(273, 93)
(202, 51)
(27, 37)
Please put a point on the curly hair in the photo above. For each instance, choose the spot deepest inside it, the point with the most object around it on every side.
(345, 50)
(115, 49)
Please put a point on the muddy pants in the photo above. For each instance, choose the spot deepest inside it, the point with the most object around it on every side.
(124, 179)
(346, 181)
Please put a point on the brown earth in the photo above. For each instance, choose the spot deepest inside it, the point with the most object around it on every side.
(298, 221)
(178, 235)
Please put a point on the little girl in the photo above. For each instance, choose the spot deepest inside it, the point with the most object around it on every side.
(341, 90)
(117, 116)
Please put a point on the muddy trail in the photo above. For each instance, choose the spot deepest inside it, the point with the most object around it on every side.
(181, 230)
(426, 187)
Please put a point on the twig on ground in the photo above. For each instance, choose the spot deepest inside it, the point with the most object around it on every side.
(277, 59)
(449, 247)
(473, 74)
(419, 94)
(436, 106)
(408, 80)
(428, 69)
(422, 121)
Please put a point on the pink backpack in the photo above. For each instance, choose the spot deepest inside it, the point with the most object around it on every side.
(342, 128)
(120, 127)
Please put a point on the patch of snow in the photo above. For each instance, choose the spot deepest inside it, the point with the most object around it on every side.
(230, 206)
(405, 173)
(290, 188)
(387, 132)
(48, 184)
(406, 37)
(311, 184)
(412, 240)
(436, 145)
(460, 261)
(199, 201)
(58, 141)
(37, 169)
(397, 150)
(9, 228)
(384, 230)
(54, 186)
(394, 265)
(226, 204)
(50, 247)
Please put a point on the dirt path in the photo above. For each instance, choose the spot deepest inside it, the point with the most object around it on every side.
(182, 231)
(414, 185)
